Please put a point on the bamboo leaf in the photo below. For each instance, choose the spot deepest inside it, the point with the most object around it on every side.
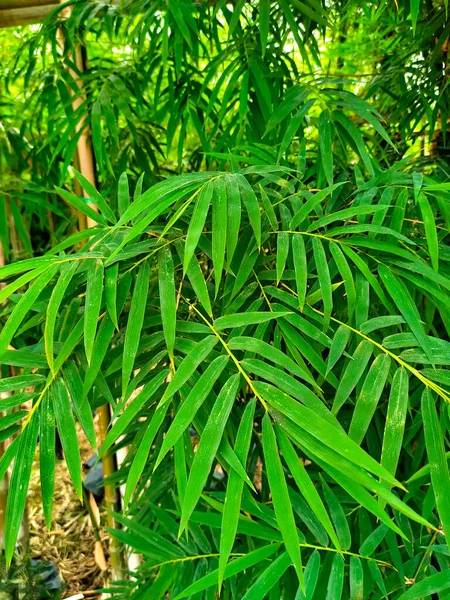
(434, 442)
(323, 275)
(167, 296)
(325, 145)
(67, 432)
(280, 496)
(268, 578)
(18, 488)
(96, 197)
(402, 298)
(47, 456)
(82, 206)
(352, 374)
(438, 582)
(111, 280)
(135, 322)
(430, 230)
(123, 194)
(219, 229)
(367, 400)
(235, 486)
(186, 412)
(25, 304)
(336, 581)
(305, 485)
(207, 448)
(197, 223)
(301, 268)
(395, 421)
(94, 290)
(233, 568)
(53, 308)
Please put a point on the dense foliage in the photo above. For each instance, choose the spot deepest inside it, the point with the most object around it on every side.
(262, 298)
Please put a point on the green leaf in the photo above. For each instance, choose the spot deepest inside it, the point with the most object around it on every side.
(167, 296)
(439, 582)
(415, 9)
(402, 298)
(336, 580)
(123, 194)
(198, 283)
(321, 429)
(264, 19)
(347, 276)
(18, 487)
(188, 366)
(81, 205)
(67, 432)
(233, 568)
(280, 496)
(440, 476)
(11, 384)
(94, 290)
(252, 207)
(356, 579)
(207, 448)
(311, 203)
(282, 253)
(268, 578)
(323, 275)
(231, 509)
(111, 280)
(312, 571)
(395, 421)
(338, 517)
(368, 398)
(305, 485)
(219, 229)
(134, 324)
(197, 223)
(25, 304)
(81, 405)
(352, 374)
(430, 230)
(300, 267)
(53, 308)
(234, 210)
(325, 145)
(47, 456)
(97, 198)
(188, 409)
(340, 341)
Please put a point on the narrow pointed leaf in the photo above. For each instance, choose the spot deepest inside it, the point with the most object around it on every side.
(135, 322)
(167, 294)
(280, 496)
(207, 448)
(94, 290)
(235, 486)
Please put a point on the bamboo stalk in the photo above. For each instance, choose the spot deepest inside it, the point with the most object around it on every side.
(5, 4)
(21, 16)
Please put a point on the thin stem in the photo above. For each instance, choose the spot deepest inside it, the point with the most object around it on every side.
(230, 354)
